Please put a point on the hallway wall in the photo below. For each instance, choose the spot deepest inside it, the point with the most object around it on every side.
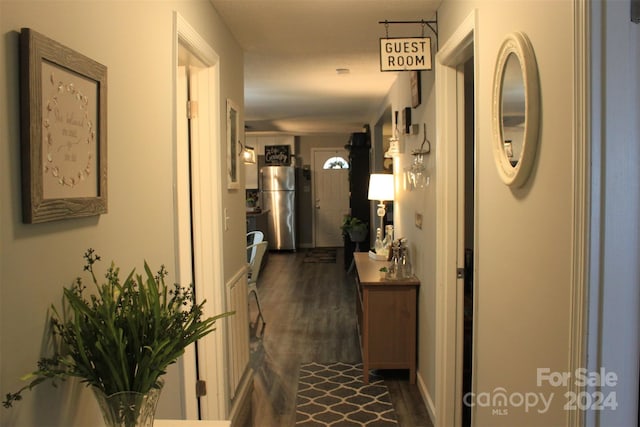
(408, 203)
(134, 40)
(523, 236)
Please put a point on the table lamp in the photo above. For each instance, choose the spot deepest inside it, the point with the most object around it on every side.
(381, 189)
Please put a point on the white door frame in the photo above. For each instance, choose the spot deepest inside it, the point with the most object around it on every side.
(581, 210)
(458, 49)
(206, 195)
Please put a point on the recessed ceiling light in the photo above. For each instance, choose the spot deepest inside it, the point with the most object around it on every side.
(343, 70)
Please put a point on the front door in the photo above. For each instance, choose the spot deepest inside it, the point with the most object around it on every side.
(331, 195)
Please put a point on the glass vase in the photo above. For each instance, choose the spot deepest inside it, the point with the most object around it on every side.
(128, 408)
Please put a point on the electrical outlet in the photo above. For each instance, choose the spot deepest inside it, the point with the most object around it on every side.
(419, 220)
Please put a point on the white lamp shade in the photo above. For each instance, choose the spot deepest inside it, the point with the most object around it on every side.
(381, 186)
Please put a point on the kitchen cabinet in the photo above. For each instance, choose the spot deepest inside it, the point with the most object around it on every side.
(258, 221)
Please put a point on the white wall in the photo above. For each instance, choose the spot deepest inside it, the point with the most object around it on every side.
(135, 41)
(524, 242)
(523, 237)
(422, 201)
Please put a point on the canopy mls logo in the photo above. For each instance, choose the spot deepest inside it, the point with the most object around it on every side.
(405, 54)
(603, 396)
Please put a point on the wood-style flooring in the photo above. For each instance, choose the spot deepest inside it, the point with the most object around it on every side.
(309, 310)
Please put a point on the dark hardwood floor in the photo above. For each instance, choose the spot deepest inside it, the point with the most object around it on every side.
(310, 316)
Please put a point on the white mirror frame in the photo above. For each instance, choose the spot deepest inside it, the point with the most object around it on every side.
(518, 44)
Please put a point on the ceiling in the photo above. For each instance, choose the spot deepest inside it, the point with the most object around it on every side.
(293, 49)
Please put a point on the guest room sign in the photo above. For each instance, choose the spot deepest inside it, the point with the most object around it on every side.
(63, 131)
(405, 54)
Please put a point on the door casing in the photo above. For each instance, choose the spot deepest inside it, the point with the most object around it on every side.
(449, 236)
(207, 222)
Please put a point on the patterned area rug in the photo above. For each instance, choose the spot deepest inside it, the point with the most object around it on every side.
(334, 395)
(326, 255)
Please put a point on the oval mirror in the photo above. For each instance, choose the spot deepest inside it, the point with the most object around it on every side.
(516, 109)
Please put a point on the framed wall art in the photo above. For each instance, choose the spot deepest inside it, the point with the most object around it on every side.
(277, 155)
(416, 89)
(233, 143)
(63, 123)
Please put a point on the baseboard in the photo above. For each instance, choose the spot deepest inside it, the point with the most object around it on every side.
(241, 407)
(426, 397)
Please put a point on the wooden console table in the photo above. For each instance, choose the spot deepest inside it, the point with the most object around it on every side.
(386, 311)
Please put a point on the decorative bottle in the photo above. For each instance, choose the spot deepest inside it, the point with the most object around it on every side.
(388, 239)
(378, 246)
(405, 270)
(394, 267)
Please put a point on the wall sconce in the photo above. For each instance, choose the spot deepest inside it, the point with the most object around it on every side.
(248, 154)
(416, 174)
(381, 189)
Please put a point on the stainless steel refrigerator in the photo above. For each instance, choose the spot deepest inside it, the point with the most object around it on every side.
(278, 184)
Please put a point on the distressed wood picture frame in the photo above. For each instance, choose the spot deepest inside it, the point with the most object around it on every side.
(63, 124)
(233, 143)
(416, 89)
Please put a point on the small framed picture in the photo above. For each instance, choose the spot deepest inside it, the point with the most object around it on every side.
(233, 145)
(508, 148)
(416, 89)
(63, 119)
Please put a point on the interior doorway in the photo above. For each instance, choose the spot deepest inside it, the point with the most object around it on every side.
(330, 195)
(469, 238)
(198, 221)
(456, 236)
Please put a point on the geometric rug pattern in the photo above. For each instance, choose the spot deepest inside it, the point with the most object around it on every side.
(320, 255)
(333, 394)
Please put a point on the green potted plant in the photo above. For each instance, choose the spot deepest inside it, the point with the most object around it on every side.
(120, 340)
(355, 228)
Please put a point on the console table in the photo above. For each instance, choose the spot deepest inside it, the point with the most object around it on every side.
(386, 312)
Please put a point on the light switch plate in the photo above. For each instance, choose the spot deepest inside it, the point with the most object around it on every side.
(419, 220)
